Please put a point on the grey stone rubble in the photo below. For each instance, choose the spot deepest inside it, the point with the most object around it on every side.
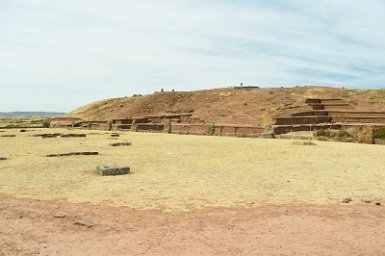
(107, 170)
(59, 215)
(347, 200)
(47, 135)
(73, 135)
(73, 154)
(117, 144)
(86, 223)
(55, 135)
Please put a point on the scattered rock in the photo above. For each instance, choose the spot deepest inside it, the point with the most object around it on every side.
(72, 135)
(377, 203)
(22, 130)
(347, 200)
(47, 135)
(59, 216)
(106, 170)
(85, 223)
(73, 154)
(8, 136)
(366, 201)
(117, 144)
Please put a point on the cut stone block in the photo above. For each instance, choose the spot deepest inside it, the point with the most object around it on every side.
(47, 135)
(73, 135)
(117, 144)
(106, 170)
(74, 154)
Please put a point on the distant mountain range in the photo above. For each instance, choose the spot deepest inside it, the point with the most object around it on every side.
(27, 113)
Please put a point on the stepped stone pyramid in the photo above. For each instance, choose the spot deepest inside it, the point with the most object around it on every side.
(327, 113)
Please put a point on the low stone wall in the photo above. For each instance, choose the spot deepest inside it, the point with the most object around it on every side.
(358, 119)
(217, 129)
(58, 122)
(302, 120)
(149, 127)
(93, 125)
(189, 128)
(303, 128)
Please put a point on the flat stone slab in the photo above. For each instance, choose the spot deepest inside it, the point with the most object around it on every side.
(119, 144)
(47, 135)
(84, 222)
(59, 215)
(73, 135)
(107, 170)
(8, 136)
(73, 154)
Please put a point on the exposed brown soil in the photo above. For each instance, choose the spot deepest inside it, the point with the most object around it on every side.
(229, 105)
(33, 227)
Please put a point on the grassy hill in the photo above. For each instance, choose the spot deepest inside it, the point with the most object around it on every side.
(256, 106)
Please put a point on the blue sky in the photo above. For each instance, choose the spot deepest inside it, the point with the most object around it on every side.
(58, 55)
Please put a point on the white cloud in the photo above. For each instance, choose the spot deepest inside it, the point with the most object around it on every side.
(72, 52)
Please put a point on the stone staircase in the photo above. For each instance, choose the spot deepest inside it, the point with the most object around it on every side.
(327, 113)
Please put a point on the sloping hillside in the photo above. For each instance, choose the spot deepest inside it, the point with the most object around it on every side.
(256, 106)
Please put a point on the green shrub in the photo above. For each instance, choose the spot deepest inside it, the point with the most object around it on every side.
(379, 133)
(47, 123)
(211, 129)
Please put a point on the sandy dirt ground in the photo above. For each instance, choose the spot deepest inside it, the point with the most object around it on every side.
(189, 195)
(29, 227)
(183, 173)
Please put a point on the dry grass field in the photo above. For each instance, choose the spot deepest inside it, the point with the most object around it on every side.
(183, 173)
(189, 195)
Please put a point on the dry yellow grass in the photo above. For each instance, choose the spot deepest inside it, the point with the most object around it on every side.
(175, 172)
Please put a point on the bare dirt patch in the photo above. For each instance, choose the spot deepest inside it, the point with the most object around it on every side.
(33, 227)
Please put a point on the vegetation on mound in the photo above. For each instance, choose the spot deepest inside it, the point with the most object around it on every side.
(19, 122)
(379, 133)
(352, 134)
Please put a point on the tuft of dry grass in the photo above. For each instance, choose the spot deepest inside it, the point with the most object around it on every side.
(308, 142)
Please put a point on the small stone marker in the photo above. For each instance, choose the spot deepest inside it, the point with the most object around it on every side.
(73, 154)
(22, 130)
(3, 158)
(85, 223)
(377, 203)
(347, 200)
(73, 135)
(115, 135)
(59, 216)
(117, 144)
(106, 170)
(47, 135)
